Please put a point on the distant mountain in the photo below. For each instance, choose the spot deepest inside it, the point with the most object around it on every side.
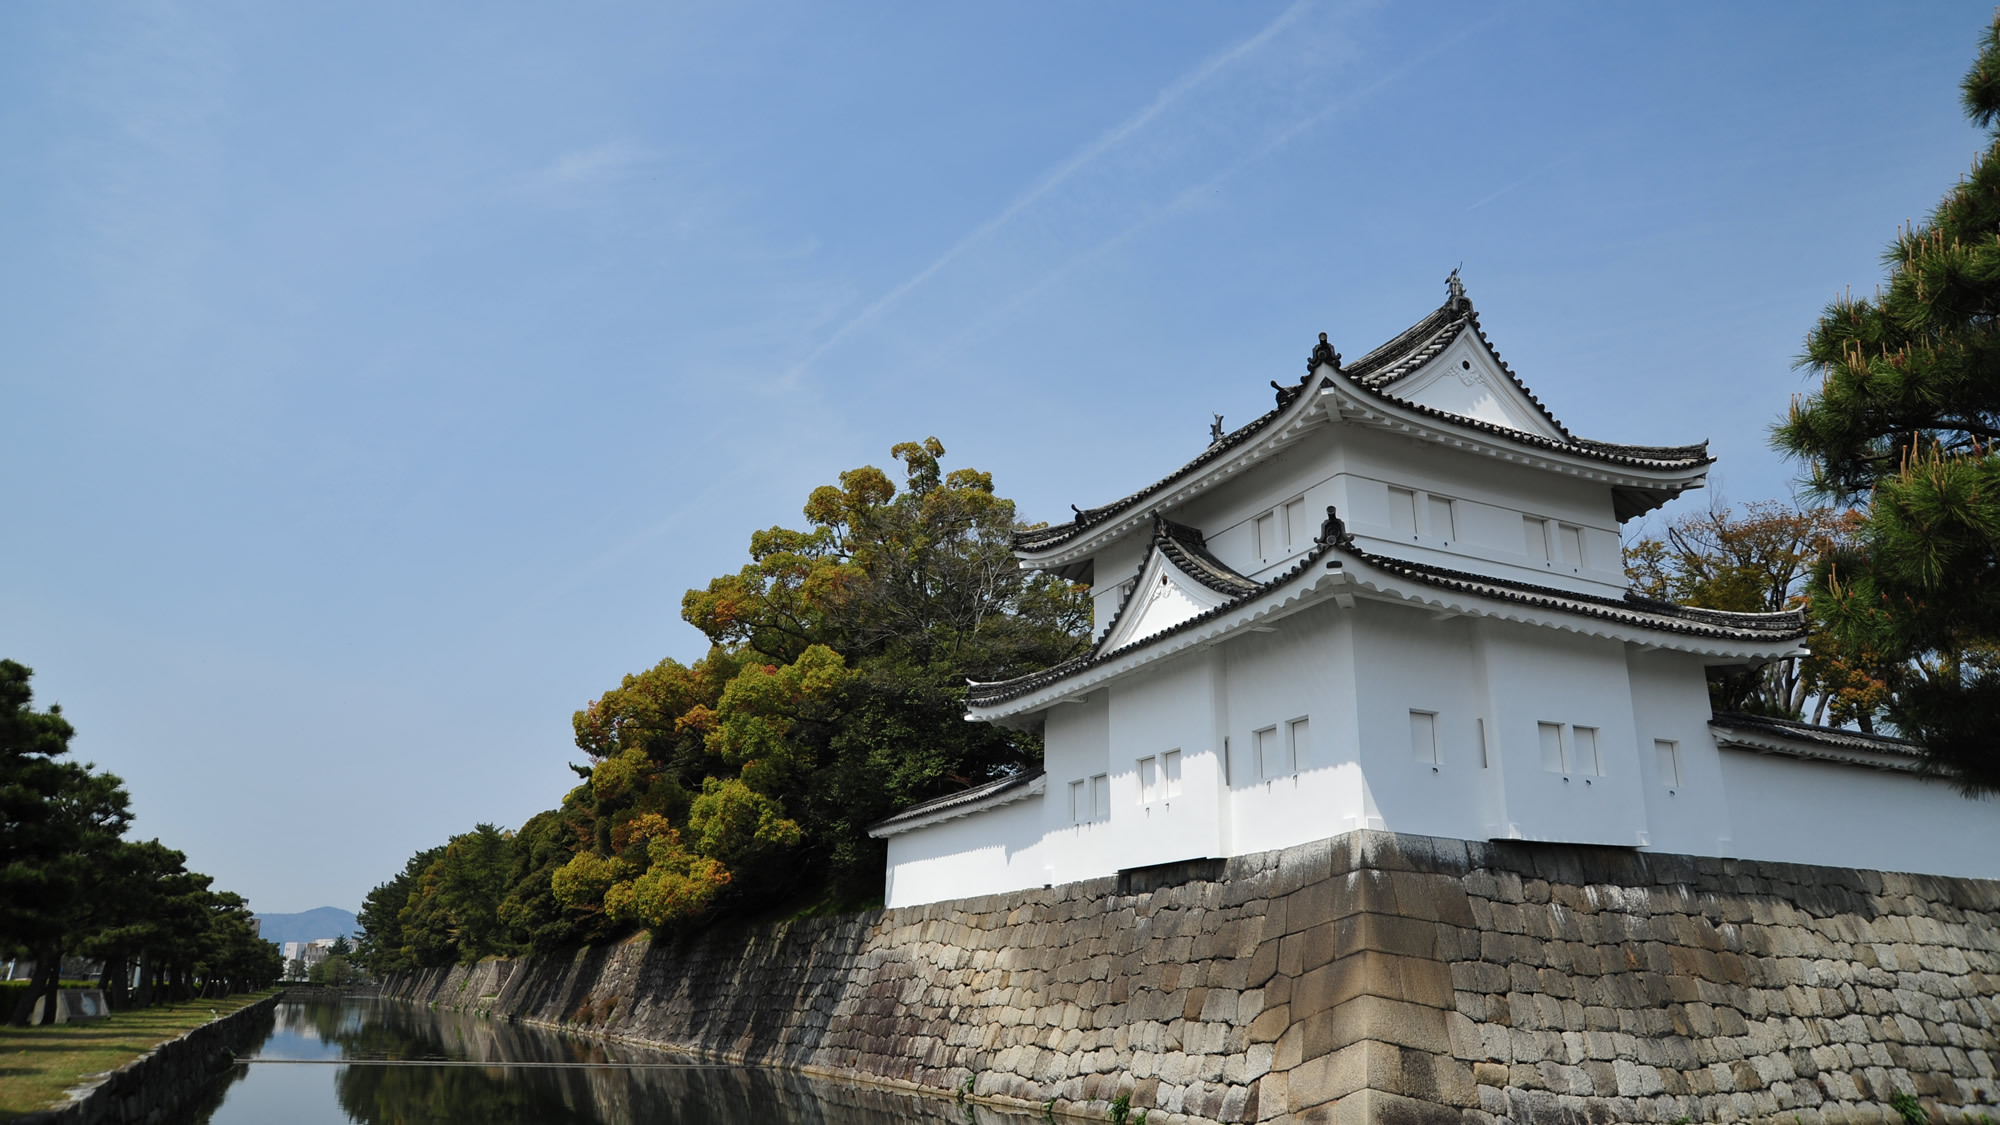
(308, 925)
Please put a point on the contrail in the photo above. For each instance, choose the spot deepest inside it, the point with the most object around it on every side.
(1190, 195)
(1052, 180)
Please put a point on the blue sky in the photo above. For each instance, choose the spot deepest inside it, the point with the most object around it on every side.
(378, 376)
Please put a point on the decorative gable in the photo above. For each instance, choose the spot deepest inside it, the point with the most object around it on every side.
(1164, 597)
(1464, 379)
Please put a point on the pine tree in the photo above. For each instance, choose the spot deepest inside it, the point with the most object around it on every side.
(1905, 419)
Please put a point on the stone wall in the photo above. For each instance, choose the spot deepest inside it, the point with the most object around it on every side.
(1370, 978)
(161, 1084)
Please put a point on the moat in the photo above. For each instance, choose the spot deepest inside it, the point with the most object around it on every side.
(376, 1061)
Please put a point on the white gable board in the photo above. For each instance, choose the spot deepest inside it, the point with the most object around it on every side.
(1465, 380)
(1163, 598)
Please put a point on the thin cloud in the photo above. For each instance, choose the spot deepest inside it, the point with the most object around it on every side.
(1190, 196)
(587, 167)
(1053, 179)
(1522, 182)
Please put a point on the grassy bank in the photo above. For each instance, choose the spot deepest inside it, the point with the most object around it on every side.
(38, 1063)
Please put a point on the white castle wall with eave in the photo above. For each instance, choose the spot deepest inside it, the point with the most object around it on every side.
(1352, 468)
(1688, 805)
(1802, 811)
(986, 852)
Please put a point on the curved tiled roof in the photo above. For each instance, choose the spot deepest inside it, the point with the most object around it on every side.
(1187, 549)
(1040, 537)
(1815, 735)
(1630, 610)
(967, 800)
(1375, 373)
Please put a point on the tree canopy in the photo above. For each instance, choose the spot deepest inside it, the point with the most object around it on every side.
(833, 693)
(70, 883)
(1760, 560)
(1904, 421)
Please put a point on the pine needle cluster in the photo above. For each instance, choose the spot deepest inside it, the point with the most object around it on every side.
(1905, 420)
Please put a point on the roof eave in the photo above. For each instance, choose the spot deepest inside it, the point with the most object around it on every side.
(1760, 741)
(1693, 637)
(1369, 408)
(895, 825)
(1284, 429)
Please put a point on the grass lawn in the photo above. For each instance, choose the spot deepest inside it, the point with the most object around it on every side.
(38, 1063)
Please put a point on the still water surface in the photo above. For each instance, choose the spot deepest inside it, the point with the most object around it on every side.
(386, 1062)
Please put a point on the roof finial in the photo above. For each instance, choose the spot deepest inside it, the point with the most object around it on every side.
(1455, 288)
(1215, 430)
(1322, 353)
(1333, 532)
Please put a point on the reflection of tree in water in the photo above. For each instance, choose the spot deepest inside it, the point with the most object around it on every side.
(606, 1094)
(212, 1094)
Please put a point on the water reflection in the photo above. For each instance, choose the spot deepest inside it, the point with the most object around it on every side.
(388, 1063)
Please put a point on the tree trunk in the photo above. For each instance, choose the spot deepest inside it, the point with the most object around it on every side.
(146, 969)
(37, 984)
(117, 974)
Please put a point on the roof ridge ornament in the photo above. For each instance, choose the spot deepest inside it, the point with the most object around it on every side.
(1215, 430)
(1333, 532)
(1454, 287)
(1322, 353)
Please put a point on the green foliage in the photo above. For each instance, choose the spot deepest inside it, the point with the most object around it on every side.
(1121, 1108)
(1906, 1107)
(71, 883)
(1905, 418)
(834, 694)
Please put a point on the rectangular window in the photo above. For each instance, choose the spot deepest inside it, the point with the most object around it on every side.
(1079, 802)
(1553, 758)
(1536, 534)
(1149, 781)
(1269, 752)
(1668, 755)
(1170, 769)
(1403, 512)
(1230, 770)
(1100, 797)
(1298, 745)
(1442, 526)
(1572, 541)
(1587, 758)
(1424, 737)
(1267, 535)
(1296, 531)
(1484, 761)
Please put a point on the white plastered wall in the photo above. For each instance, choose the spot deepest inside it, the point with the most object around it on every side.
(1803, 811)
(1688, 802)
(1302, 669)
(1538, 675)
(1412, 661)
(991, 851)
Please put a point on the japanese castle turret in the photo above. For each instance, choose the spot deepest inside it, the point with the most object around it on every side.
(1397, 601)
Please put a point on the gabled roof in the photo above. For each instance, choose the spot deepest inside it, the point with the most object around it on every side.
(1184, 551)
(992, 794)
(1765, 735)
(1187, 548)
(1376, 375)
(1630, 611)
